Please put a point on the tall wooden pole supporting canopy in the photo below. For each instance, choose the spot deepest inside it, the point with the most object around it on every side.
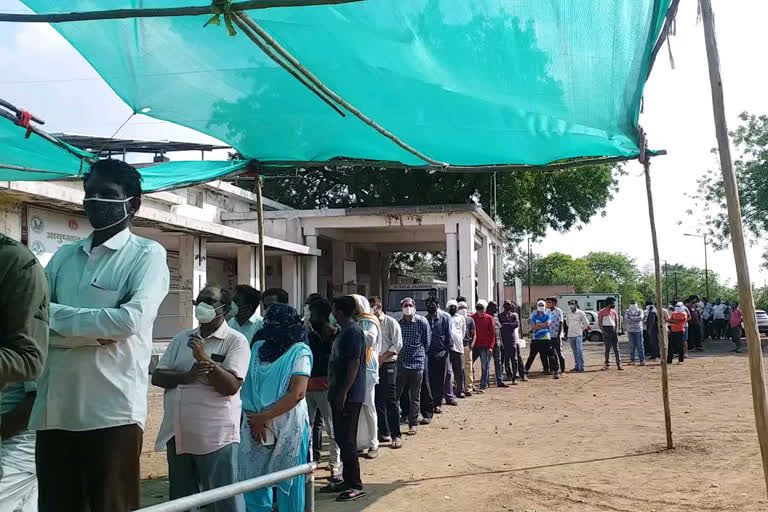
(756, 368)
(262, 257)
(660, 323)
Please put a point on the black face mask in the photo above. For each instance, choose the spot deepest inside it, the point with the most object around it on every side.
(452, 310)
(106, 213)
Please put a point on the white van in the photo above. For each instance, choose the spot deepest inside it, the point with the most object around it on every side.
(419, 292)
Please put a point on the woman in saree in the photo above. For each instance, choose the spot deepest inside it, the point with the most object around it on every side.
(275, 430)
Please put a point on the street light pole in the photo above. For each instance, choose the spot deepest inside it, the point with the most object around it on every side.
(706, 267)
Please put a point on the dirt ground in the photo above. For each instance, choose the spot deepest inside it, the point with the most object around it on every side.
(588, 442)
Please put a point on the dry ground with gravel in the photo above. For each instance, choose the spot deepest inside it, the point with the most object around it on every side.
(588, 442)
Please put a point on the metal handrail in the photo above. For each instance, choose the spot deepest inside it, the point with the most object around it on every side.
(227, 491)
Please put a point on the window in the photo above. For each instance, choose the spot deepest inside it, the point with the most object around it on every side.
(418, 296)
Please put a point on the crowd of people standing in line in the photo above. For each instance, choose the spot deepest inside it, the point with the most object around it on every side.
(243, 392)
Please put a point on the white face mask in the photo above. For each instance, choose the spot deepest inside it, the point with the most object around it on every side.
(463, 312)
(205, 313)
(409, 310)
(540, 309)
(306, 311)
(633, 307)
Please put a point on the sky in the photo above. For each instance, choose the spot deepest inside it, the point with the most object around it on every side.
(45, 74)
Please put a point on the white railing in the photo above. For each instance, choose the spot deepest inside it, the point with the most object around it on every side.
(227, 491)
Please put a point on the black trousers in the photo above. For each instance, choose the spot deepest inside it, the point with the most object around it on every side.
(676, 341)
(513, 361)
(694, 336)
(317, 435)
(498, 362)
(438, 367)
(409, 394)
(543, 347)
(457, 364)
(557, 346)
(345, 431)
(387, 411)
(735, 333)
(611, 341)
(89, 471)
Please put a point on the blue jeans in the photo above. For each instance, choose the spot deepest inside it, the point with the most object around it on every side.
(577, 348)
(636, 345)
(189, 474)
(485, 360)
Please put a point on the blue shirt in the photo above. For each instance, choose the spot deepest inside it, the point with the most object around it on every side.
(440, 325)
(417, 337)
(249, 328)
(541, 318)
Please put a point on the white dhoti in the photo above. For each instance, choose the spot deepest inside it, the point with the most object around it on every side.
(18, 486)
(368, 426)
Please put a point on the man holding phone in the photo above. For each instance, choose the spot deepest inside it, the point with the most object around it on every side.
(202, 371)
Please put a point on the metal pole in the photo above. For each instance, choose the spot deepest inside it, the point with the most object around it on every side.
(756, 367)
(227, 491)
(530, 273)
(309, 493)
(659, 310)
(706, 267)
(262, 258)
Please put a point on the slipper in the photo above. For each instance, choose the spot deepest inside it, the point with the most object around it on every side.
(397, 443)
(411, 432)
(334, 486)
(350, 495)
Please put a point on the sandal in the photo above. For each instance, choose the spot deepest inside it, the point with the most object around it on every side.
(334, 486)
(397, 443)
(412, 431)
(350, 495)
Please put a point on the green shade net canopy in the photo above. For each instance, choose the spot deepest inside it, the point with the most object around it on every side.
(467, 82)
(34, 159)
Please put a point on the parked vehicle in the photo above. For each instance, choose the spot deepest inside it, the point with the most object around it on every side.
(762, 322)
(419, 293)
(592, 332)
(594, 302)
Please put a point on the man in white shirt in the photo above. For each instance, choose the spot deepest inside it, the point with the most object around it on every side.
(91, 400)
(387, 411)
(576, 321)
(244, 318)
(456, 349)
(202, 371)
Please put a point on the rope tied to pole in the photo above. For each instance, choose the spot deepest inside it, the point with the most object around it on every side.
(223, 9)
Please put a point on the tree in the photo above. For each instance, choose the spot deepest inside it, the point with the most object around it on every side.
(750, 139)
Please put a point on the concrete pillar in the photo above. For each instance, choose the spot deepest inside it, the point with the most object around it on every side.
(484, 270)
(466, 240)
(247, 266)
(452, 259)
(500, 272)
(193, 270)
(310, 266)
(375, 273)
(338, 255)
(290, 280)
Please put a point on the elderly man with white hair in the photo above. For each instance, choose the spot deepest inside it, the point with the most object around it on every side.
(456, 349)
(469, 343)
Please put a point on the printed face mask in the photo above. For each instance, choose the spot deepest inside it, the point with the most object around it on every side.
(105, 213)
(409, 310)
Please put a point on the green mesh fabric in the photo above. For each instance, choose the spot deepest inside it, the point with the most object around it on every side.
(43, 160)
(468, 82)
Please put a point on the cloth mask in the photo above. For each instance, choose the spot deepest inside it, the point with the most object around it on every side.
(205, 313)
(633, 307)
(409, 310)
(463, 312)
(105, 213)
(233, 309)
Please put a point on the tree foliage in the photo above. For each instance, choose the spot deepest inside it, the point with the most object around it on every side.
(604, 272)
(750, 141)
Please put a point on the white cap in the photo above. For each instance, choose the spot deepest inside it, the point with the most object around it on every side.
(451, 303)
(463, 305)
(541, 303)
(482, 302)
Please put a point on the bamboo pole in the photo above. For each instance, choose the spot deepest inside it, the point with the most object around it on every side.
(161, 12)
(661, 324)
(335, 97)
(253, 37)
(262, 260)
(756, 368)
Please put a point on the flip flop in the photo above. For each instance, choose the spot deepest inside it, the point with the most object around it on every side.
(350, 495)
(334, 486)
